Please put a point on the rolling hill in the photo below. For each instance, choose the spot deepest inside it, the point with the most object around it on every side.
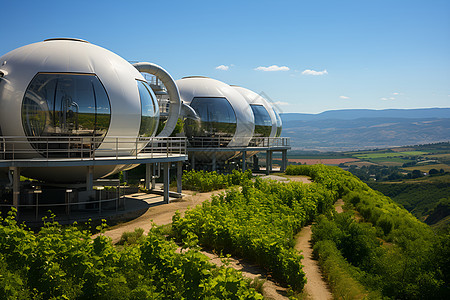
(362, 129)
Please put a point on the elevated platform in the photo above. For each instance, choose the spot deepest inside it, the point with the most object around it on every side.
(213, 145)
(18, 153)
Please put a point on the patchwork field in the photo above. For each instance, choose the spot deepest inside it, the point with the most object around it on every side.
(426, 168)
(325, 161)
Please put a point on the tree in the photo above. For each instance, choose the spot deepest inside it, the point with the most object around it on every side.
(433, 172)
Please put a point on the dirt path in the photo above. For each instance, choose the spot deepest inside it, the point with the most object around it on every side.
(315, 287)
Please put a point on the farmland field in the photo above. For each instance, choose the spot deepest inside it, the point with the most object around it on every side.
(325, 161)
(426, 168)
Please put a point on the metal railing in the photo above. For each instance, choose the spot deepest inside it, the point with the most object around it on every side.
(88, 147)
(223, 142)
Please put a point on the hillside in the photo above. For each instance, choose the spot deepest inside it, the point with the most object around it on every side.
(345, 130)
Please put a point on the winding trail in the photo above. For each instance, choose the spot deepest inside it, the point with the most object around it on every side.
(315, 288)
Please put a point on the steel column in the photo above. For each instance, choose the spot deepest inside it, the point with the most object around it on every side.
(166, 182)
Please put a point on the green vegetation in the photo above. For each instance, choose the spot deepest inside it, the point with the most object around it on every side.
(422, 198)
(209, 181)
(66, 263)
(388, 251)
(258, 223)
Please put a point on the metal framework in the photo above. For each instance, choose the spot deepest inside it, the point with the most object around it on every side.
(65, 151)
(256, 144)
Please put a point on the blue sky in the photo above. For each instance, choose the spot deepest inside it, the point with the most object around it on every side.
(307, 56)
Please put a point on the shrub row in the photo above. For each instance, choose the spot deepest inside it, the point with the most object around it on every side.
(66, 263)
(208, 181)
(258, 223)
(388, 250)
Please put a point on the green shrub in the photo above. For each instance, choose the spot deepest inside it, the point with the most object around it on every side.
(66, 263)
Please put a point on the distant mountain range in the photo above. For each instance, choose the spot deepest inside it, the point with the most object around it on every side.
(353, 129)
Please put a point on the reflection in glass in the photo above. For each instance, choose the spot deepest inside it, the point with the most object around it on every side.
(217, 119)
(263, 123)
(69, 105)
(149, 110)
(279, 123)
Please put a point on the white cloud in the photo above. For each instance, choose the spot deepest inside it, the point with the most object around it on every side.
(391, 98)
(396, 93)
(315, 73)
(273, 68)
(281, 103)
(384, 98)
(222, 67)
(344, 97)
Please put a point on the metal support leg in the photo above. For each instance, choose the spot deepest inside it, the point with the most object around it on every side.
(267, 162)
(166, 182)
(16, 187)
(214, 167)
(283, 160)
(255, 163)
(270, 161)
(148, 175)
(90, 182)
(179, 176)
(244, 161)
(153, 176)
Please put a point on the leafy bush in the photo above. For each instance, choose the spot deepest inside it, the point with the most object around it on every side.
(66, 263)
(258, 223)
(208, 181)
(410, 266)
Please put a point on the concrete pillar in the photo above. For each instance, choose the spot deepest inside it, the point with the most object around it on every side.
(125, 176)
(214, 165)
(16, 187)
(179, 176)
(193, 161)
(148, 175)
(267, 162)
(283, 160)
(166, 182)
(244, 161)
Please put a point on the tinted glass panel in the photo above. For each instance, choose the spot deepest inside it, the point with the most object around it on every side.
(72, 105)
(263, 123)
(217, 119)
(149, 110)
(279, 123)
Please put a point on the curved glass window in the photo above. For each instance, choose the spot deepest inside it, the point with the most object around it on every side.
(263, 123)
(279, 123)
(149, 110)
(64, 104)
(217, 119)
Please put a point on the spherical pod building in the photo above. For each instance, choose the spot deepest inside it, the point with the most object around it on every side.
(69, 89)
(265, 118)
(225, 118)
